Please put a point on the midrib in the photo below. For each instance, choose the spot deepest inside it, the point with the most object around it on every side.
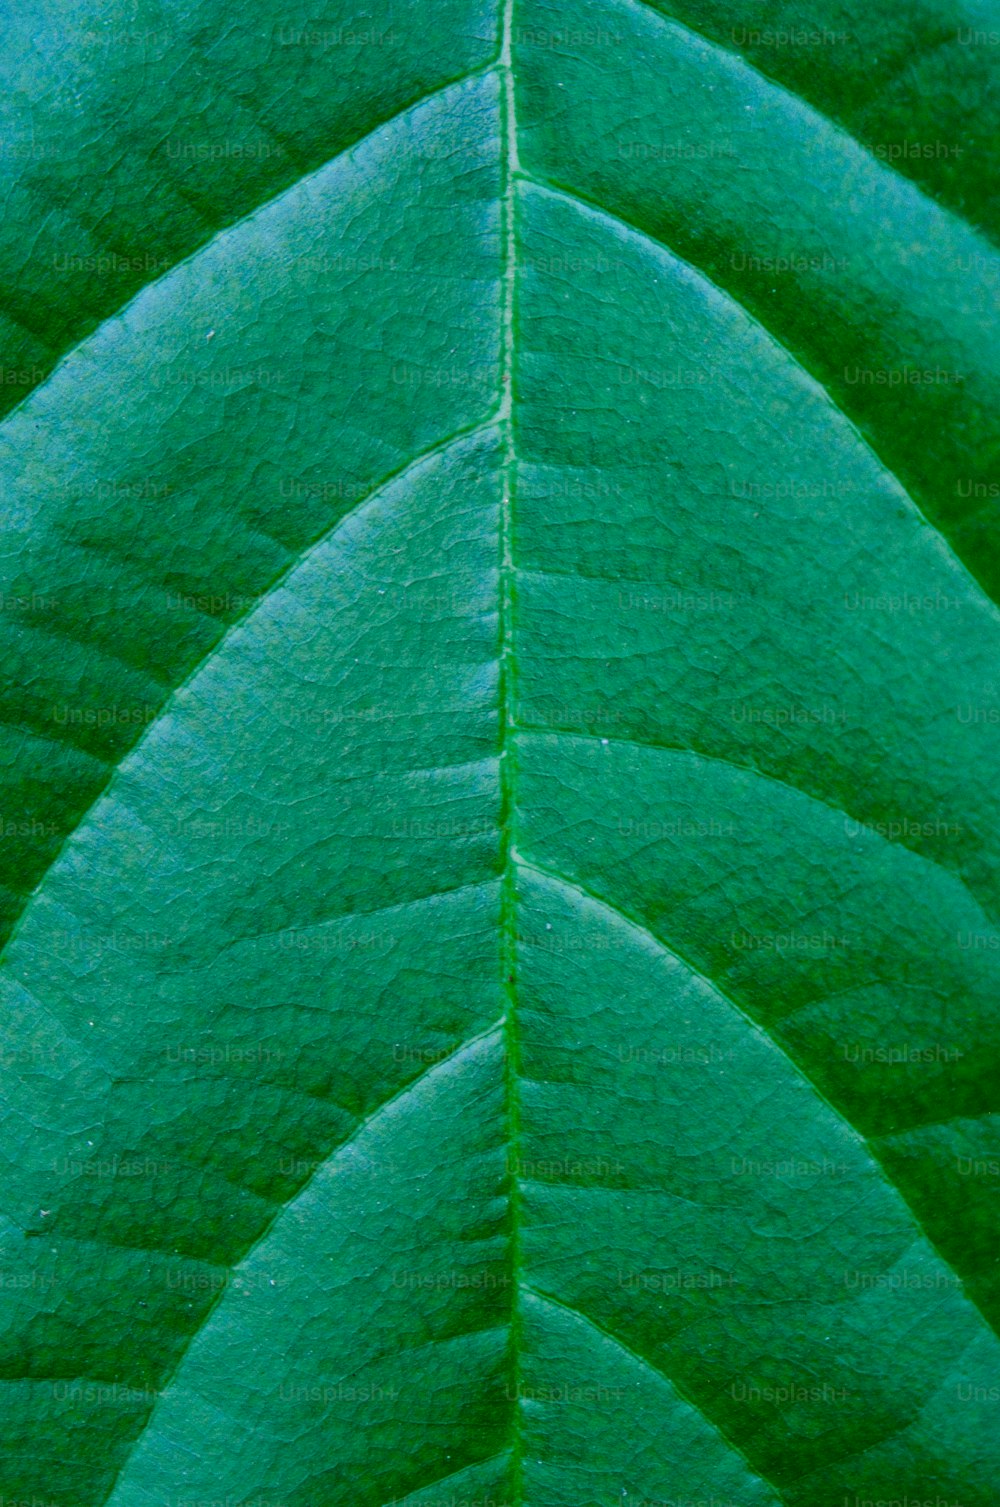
(508, 766)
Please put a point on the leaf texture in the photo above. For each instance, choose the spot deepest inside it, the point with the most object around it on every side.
(498, 757)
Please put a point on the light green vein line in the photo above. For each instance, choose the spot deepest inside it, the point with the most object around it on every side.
(951, 876)
(225, 231)
(831, 122)
(414, 1084)
(610, 1338)
(508, 775)
(451, 1478)
(574, 887)
(869, 442)
(427, 457)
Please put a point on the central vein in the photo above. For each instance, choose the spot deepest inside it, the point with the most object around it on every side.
(508, 767)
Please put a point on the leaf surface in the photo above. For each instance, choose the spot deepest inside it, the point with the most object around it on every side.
(498, 766)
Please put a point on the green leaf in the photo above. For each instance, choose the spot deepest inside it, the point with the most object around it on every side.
(498, 770)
